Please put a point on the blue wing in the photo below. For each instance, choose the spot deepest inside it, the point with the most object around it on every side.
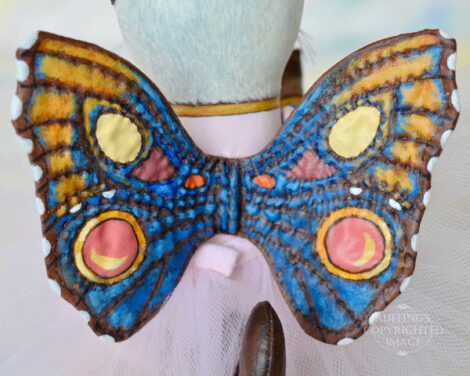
(336, 200)
(171, 232)
(124, 195)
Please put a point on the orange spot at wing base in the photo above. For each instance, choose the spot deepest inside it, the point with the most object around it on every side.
(195, 181)
(265, 181)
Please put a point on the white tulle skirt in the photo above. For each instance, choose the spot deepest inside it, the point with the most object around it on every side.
(198, 332)
(425, 331)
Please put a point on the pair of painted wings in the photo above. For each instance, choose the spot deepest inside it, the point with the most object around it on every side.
(334, 202)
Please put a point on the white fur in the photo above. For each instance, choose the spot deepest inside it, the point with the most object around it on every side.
(212, 51)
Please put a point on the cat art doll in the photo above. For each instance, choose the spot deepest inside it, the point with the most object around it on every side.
(189, 167)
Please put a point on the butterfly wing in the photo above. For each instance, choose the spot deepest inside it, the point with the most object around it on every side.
(336, 200)
(124, 195)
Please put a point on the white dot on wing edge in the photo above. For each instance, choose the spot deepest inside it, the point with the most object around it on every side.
(30, 40)
(431, 164)
(46, 247)
(444, 34)
(345, 341)
(404, 284)
(85, 316)
(16, 108)
(414, 242)
(452, 61)
(22, 70)
(40, 206)
(37, 173)
(55, 286)
(107, 338)
(456, 100)
(373, 318)
(26, 143)
(445, 137)
(426, 198)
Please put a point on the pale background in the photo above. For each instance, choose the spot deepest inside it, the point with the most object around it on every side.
(331, 30)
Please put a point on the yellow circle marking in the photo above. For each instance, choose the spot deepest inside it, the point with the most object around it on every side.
(118, 137)
(363, 214)
(89, 226)
(355, 131)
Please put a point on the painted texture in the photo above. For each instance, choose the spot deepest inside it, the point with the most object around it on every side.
(285, 216)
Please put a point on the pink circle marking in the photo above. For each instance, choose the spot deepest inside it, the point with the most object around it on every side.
(355, 245)
(110, 248)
